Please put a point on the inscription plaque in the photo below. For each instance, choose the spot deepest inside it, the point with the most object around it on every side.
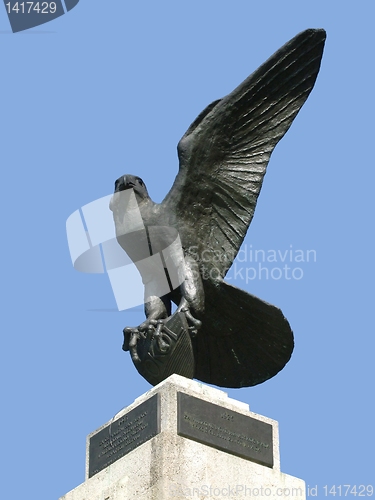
(224, 429)
(124, 435)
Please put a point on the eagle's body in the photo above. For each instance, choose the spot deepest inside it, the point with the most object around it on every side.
(241, 340)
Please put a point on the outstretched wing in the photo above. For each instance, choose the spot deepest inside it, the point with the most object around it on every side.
(224, 153)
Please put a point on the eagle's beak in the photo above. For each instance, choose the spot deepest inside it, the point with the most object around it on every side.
(124, 184)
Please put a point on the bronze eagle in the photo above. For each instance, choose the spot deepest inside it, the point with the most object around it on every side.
(237, 339)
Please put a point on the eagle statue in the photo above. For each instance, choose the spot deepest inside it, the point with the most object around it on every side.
(217, 333)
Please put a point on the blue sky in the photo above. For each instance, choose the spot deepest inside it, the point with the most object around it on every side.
(110, 88)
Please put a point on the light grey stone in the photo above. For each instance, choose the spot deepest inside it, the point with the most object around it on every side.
(170, 466)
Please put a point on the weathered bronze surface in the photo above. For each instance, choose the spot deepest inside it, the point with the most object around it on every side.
(166, 351)
(124, 435)
(224, 429)
(238, 340)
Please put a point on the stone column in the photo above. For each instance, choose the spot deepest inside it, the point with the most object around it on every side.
(183, 439)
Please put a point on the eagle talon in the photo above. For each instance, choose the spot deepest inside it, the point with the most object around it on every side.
(194, 323)
(146, 325)
(129, 334)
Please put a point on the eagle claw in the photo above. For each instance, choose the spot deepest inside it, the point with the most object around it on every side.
(147, 329)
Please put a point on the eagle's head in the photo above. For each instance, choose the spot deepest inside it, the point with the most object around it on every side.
(131, 182)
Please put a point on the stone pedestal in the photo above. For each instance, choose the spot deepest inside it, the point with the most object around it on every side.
(183, 439)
